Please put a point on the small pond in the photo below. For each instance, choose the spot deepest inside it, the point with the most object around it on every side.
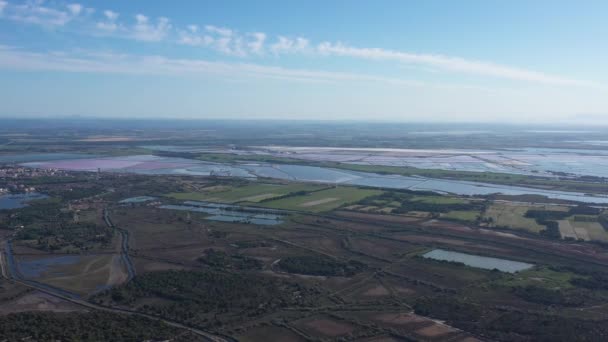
(228, 213)
(478, 261)
(138, 199)
(16, 201)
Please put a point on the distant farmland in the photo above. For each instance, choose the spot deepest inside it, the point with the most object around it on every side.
(322, 200)
(249, 193)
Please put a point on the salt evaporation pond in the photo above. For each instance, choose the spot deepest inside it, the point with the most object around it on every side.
(147, 164)
(487, 263)
(16, 201)
(39, 157)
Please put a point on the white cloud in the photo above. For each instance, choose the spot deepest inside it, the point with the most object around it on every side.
(454, 64)
(288, 45)
(222, 31)
(145, 31)
(110, 15)
(75, 9)
(36, 13)
(234, 43)
(193, 39)
(256, 45)
(109, 24)
(224, 40)
(94, 62)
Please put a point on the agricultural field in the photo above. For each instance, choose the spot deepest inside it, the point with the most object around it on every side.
(439, 199)
(512, 216)
(584, 230)
(584, 227)
(408, 205)
(253, 193)
(322, 200)
(462, 215)
(539, 276)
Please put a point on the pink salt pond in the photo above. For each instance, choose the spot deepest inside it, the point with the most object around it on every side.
(91, 164)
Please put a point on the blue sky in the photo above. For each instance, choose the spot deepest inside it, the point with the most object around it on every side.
(467, 61)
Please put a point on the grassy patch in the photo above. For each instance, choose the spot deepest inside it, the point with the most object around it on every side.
(512, 216)
(594, 230)
(249, 193)
(322, 200)
(439, 200)
(542, 277)
(461, 215)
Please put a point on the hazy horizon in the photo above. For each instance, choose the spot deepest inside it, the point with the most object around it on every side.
(473, 61)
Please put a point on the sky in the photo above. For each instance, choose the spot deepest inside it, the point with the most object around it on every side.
(409, 61)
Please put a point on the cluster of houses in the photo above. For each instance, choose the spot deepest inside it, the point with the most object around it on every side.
(16, 188)
(12, 172)
(11, 175)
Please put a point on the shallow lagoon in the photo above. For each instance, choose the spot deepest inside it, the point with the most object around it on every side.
(487, 263)
(228, 213)
(16, 201)
(172, 166)
(33, 157)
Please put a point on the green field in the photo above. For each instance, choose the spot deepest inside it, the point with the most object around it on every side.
(322, 200)
(539, 277)
(249, 193)
(439, 200)
(462, 215)
(512, 216)
(589, 230)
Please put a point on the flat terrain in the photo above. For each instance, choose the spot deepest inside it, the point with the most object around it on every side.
(513, 216)
(248, 193)
(81, 274)
(322, 200)
(462, 215)
(346, 265)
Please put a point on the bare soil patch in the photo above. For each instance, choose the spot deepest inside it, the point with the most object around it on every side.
(377, 291)
(317, 202)
(270, 333)
(435, 330)
(257, 198)
(399, 318)
(324, 326)
(38, 301)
